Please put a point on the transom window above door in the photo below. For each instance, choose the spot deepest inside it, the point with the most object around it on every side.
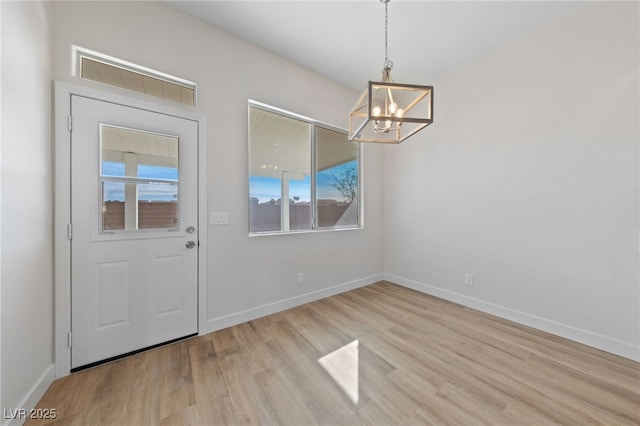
(95, 66)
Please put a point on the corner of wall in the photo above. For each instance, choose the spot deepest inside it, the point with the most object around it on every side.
(26, 355)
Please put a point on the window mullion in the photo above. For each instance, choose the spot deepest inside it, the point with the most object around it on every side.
(314, 204)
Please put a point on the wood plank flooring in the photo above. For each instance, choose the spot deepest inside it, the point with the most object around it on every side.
(391, 356)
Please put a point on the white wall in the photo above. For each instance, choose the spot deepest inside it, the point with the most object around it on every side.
(248, 277)
(26, 254)
(528, 179)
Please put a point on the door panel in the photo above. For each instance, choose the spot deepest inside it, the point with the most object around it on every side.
(133, 195)
(168, 294)
(112, 302)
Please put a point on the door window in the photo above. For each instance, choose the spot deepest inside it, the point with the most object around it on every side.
(139, 175)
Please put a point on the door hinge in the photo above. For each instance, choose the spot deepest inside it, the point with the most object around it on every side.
(70, 123)
(69, 231)
(69, 339)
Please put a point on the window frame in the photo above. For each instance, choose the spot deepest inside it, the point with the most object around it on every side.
(313, 125)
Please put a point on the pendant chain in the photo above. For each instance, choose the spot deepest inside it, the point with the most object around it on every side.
(386, 31)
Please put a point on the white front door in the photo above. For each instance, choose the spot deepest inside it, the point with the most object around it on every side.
(134, 239)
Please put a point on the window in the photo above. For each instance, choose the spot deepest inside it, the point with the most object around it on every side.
(139, 176)
(126, 75)
(303, 175)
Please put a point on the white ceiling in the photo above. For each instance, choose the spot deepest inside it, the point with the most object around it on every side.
(344, 40)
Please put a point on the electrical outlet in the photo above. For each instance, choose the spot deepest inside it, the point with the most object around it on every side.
(300, 277)
(468, 280)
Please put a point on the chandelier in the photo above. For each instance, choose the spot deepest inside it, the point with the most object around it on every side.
(389, 112)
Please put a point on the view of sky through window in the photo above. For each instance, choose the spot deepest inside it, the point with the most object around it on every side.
(154, 191)
(266, 188)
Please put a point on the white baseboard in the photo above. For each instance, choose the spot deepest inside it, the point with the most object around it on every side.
(225, 321)
(31, 398)
(588, 338)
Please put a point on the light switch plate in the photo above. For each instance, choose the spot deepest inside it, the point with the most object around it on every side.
(218, 218)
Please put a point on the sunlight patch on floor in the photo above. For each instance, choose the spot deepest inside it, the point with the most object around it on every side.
(342, 366)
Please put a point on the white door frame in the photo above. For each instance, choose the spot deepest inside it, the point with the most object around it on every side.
(62, 208)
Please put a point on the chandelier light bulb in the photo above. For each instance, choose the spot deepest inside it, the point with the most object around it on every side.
(399, 113)
(393, 107)
(376, 111)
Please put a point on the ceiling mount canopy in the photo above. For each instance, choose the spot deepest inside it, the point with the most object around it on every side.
(389, 112)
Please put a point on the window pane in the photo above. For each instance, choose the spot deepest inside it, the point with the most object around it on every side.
(279, 172)
(336, 179)
(139, 174)
(137, 81)
(157, 205)
(112, 206)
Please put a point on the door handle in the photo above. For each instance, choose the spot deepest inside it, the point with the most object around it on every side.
(190, 244)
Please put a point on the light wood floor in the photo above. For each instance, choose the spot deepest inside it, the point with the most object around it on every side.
(417, 360)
